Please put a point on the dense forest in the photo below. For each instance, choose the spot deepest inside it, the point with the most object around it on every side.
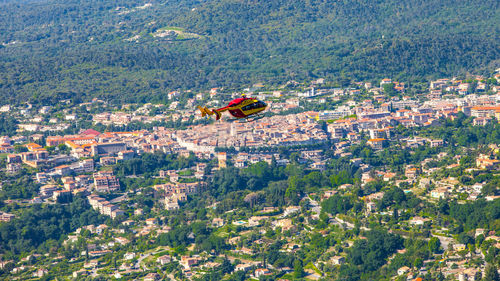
(83, 49)
(41, 227)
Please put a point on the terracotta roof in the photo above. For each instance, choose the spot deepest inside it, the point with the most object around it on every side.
(90, 132)
(377, 140)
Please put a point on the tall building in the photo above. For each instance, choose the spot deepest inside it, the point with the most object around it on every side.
(222, 157)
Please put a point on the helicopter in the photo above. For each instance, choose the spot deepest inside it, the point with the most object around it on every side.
(240, 108)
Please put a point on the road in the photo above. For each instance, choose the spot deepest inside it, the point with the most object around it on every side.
(445, 241)
(140, 259)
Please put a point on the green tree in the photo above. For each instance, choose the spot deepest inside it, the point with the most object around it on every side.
(434, 245)
(298, 269)
(389, 89)
(418, 263)
(491, 273)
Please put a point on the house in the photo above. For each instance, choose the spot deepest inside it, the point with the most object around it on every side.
(260, 272)
(388, 176)
(385, 81)
(126, 155)
(246, 251)
(483, 162)
(187, 261)
(152, 277)
(62, 196)
(234, 240)
(100, 229)
(13, 168)
(99, 253)
(122, 240)
(484, 111)
(285, 224)
(441, 192)
(291, 210)
(6, 217)
(418, 221)
(337, 260)
(255, 220)
(217, 222)
(129, 256)
(81, 272)
(403, 270)
(329, 193)
(151, 221)
(459, 247)
(62, 170)
(436, 143)
(163, 260)
(13, 158)
(377, 143)
(481, 121)
(243, 267)
(107, 148)
(371, 207)
(40, 272)
(412, 172)
(480, 231)
(109, 160)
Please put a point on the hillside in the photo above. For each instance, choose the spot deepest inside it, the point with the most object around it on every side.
(137, 49)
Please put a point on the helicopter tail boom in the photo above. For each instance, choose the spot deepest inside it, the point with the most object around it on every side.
(205, 111)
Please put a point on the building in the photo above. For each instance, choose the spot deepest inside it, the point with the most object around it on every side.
(412, 172)
(285, 224)
(484, 111)
(403, 270)
(337, 260)
(13, 168)
(62, 170)
(105, 183)
(85, 166)
(107, 148)
(6, 217)
(217, 222)
(62, 196)
(106, 161)
(222, 157)
(163, 260)
(260, 272)
(126, 155)
(243, 267)
(483, 162)
(378, 143)
(441, 192)
(187, 261)
(436, 143)
(13, 158)
(104, 207)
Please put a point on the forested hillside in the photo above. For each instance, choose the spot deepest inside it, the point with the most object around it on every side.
(141, 49)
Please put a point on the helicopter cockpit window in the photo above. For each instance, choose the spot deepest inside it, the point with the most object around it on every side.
(255, 105)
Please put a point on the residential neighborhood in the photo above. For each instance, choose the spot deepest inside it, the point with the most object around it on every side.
(331, 175)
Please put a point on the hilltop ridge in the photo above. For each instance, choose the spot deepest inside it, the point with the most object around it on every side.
(97, 48)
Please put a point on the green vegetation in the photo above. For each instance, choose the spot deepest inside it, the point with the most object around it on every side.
(81, 49)
(41, 227)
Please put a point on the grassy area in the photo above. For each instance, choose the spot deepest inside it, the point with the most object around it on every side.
(173, 28)
(179, 32)
(312, 267)
(186, 173)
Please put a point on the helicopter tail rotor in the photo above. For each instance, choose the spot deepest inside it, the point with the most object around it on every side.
(204, 111)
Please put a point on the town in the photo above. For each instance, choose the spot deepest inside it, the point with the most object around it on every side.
(384, 176)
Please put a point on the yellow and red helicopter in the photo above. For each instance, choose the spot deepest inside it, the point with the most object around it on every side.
(240, 108)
